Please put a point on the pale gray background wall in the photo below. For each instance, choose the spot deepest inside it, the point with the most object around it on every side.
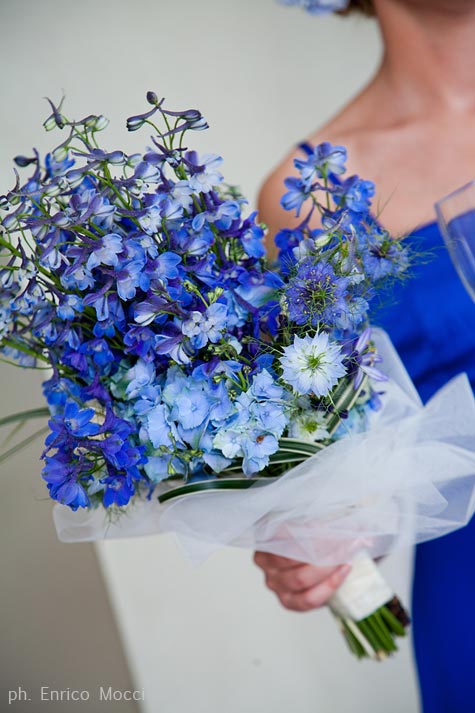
(210, 640)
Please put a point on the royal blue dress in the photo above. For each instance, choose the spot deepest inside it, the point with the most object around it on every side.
(431, 321)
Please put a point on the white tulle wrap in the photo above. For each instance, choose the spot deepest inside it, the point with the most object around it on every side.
(410, 478)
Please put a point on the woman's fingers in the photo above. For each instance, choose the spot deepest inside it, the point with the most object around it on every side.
(297, 579)
(268, 561)
(316, 596)
(299, 586)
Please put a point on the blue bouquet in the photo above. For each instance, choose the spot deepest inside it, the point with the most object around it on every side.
(182, 362)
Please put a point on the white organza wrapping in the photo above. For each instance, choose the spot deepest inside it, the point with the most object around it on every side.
(409, 479)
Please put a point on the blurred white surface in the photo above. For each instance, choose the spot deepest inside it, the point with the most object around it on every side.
(211, 639)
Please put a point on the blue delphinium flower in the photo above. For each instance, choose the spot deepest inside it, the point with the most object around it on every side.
(61, 478)
(383, 256)
(355, 193)
(298, 192)
(325, 160)
(175, 349)
(207, 326)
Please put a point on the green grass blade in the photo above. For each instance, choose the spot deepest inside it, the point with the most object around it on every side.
(25, 442)
(25, 416)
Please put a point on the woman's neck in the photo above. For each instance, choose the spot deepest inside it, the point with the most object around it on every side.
(429, 59)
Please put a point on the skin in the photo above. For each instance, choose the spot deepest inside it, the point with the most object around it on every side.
(411, 131)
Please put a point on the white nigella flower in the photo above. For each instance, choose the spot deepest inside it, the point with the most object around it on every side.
(312, 364)
(309, 425)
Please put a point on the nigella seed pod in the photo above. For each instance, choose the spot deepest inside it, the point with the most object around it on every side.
(152, 98)
(14, 199)
(23, 161)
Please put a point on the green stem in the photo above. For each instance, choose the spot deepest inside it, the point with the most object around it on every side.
(25, 416)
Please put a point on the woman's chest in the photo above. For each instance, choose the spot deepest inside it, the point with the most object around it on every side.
(412, 169)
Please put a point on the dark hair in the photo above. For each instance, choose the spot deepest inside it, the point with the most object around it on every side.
(363, 6)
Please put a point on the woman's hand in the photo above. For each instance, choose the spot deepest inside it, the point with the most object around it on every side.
(300, 587)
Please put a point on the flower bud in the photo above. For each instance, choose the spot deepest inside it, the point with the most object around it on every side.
(53, 189)
(116, 158)
(74, 177)
(152, 98)
(133, 160)
(49, 123)
(10, 222)
(321, 240)
(60, 154)
(4, 203)
(199, 124)
(101, 123)
(23, 161)
(61, 220)
(135, 122)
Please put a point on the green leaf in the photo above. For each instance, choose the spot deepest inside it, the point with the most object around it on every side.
(210, 485)
(25, 416)
(25, 442)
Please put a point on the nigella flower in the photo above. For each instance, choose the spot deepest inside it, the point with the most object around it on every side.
(308, 424)
(312, 365)
(315, 295)
(286, 240)
(383, 256)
